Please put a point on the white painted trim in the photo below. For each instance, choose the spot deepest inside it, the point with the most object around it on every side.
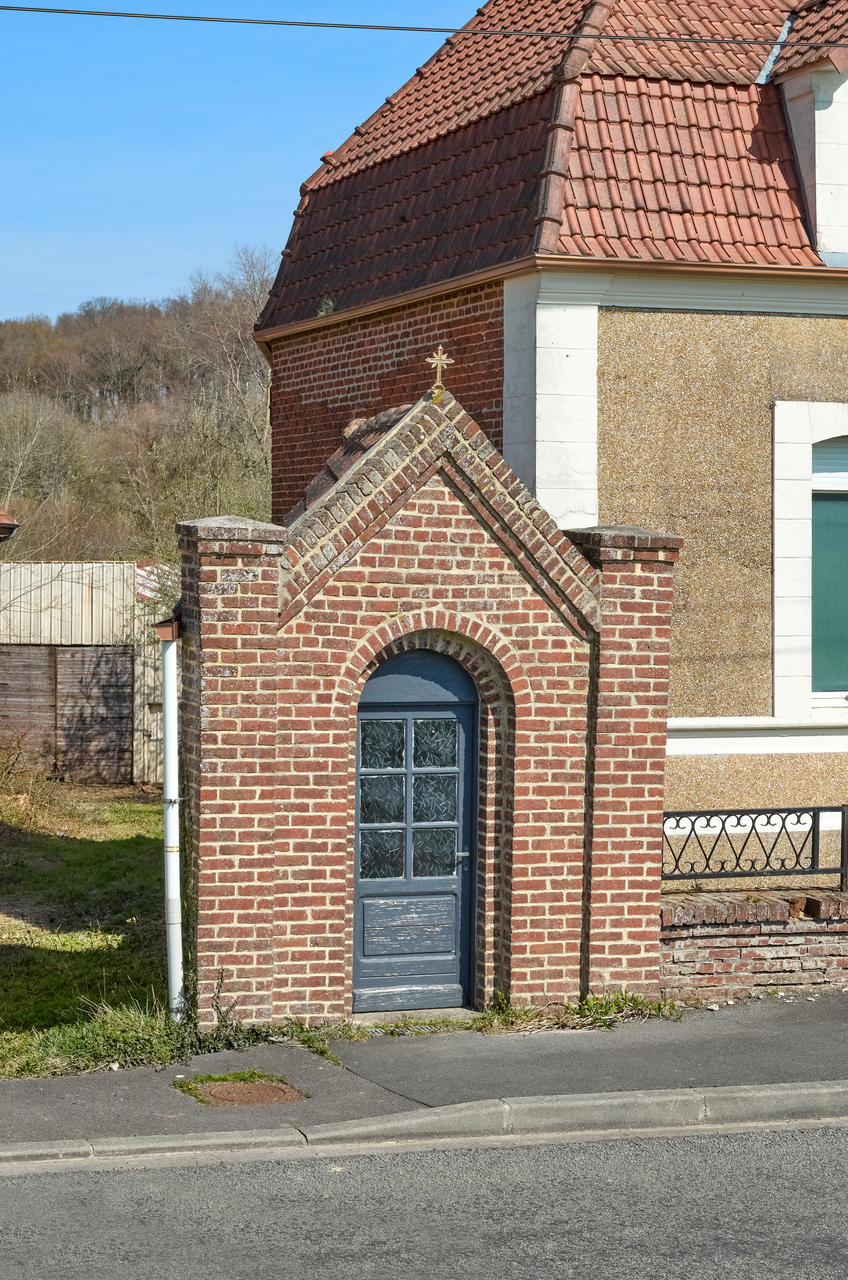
(551, 398)
(830, 482)
(551, 418)
(519, 394)
(817, 106)
(651, 291)
(798, 425)
(758, 736)
(821, 718)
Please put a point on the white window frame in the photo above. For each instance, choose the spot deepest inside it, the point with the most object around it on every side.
(798, 425)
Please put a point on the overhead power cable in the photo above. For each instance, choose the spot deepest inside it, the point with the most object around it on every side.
(464, 32)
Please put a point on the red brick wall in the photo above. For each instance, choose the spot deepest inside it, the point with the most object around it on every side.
(229, 748)
(323, 379)
(626, 780)
(737, 944)
(431, 543)
(532, 674)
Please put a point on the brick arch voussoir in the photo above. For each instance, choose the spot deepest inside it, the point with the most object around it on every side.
(487, 657)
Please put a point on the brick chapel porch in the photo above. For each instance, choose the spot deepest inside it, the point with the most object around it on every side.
(417, 538)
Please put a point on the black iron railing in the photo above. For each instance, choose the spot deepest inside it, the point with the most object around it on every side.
(731, 844)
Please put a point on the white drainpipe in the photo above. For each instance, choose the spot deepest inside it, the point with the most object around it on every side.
(168, 633)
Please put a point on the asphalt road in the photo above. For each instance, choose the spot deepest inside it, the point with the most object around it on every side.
(765, 1206)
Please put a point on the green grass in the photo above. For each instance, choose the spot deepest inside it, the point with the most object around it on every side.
(81, 946)
(82, 949)
(80, 914)
(593, 1013)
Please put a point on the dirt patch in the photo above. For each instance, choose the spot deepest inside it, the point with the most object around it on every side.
(245, 1093)
(17, 918)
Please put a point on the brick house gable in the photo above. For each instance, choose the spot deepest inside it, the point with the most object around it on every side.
(436, 436)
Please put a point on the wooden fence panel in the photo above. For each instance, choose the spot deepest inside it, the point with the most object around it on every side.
(28, 696)
(94, 713)
(43, 606)
(72, 705)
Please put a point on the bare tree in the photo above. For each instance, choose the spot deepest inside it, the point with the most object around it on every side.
(124, 417)
(42, 469)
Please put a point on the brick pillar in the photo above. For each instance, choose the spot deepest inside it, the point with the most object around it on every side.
(625, 791)
(228, 737)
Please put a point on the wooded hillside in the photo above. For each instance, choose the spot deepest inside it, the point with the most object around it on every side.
(122, 418)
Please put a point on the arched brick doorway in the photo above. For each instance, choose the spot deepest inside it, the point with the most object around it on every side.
(414, 878)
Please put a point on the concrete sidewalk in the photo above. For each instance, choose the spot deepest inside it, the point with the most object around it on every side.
(697, 1071)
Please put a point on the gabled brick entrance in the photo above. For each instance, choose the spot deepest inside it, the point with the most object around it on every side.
(420, 537)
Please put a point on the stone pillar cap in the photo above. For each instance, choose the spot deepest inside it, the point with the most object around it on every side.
(625, 535)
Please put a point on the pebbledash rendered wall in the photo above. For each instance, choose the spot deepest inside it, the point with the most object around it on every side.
(707, 383)
(430, 541)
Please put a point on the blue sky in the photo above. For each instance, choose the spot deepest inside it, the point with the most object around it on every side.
(134, 153)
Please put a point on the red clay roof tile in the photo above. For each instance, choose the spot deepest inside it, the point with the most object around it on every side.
(457, 204)
(750, 197)
(448, 177)
(740, 64)
(820, 22)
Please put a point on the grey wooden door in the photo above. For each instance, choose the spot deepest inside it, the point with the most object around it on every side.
(416, 767)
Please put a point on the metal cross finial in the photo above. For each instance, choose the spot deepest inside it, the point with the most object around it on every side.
(439, 360)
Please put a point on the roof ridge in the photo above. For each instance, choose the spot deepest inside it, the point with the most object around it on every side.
(554, 175)
(436, 435)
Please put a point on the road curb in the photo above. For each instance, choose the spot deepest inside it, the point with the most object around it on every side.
(553, 1115)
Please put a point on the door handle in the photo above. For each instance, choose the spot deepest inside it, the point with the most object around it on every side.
(460, 857)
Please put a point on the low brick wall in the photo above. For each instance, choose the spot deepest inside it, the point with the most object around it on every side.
(732, 944)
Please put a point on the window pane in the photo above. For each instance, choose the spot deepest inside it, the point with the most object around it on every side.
(381, 798)
(434, 798)
(382, 744)
(435, 744)
(381, 855)
(830, 592)
(434, 853)
(830, 456)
